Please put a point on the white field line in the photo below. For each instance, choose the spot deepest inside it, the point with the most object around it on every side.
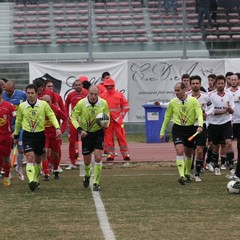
(102, 216)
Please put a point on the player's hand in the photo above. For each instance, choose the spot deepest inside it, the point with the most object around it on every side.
(83, 133)
(161, 138)
(58, 133)
(199, 129)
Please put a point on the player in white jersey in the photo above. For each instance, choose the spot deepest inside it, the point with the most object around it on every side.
(220, 129)
(228, 80)
(235, 90)
(207, 108)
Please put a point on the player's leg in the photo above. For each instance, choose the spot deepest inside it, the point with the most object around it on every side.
(73, 138)
(109, 141)
(20, 158)
(122, 141)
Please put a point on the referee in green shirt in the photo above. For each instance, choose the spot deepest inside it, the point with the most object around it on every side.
(184, 110)
(31, 116)
(92, 135)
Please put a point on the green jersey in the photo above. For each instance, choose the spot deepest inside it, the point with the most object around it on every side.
(32, 118)
(184, 113)
(84, 114)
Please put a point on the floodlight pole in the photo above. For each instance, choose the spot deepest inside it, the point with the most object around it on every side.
(90, 48)
(184, 17)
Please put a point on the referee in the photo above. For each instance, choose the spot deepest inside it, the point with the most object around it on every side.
(184, 110)
(92, 135)
(31, 116)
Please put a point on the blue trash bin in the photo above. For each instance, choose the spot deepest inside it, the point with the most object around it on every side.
(154, 116)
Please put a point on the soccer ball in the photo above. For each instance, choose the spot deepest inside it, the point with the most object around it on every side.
(233, 186)
(102, 120)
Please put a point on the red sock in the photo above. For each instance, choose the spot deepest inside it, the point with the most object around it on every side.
(6, 169)
(45, 167)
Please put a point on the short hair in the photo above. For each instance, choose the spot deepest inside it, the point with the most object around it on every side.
(1, 90)
(195, 77)
(220, 77)
(238, 74)
(86, 84)
(212, 76)
(229, 74)
(105, 74)
(39, 82)
(4, 79)
(181, 84)
(32, 86)
(185, 76)
(47, 81)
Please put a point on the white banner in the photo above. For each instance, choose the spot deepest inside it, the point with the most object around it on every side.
(141, 81)
(65, 73)
(154, 80)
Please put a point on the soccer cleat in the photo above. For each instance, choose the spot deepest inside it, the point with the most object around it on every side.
(71, 167)
(182, 180)
(56, 174)
(231, 174)
(46, 178)
(20, 173)
(110, 158)
(197, 179)
(96, 187)
(2, 174)
(217, 172)
(126, 158)
(37, 186)
(104, 154)
(60, 170)
(86, 181)
(32, 186)
(223, 167)
(7, 182)
(188, 179)
(210, 167)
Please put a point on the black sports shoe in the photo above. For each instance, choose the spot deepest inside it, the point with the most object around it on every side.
(127, 158)
(86, 181)
(56, 174)
(32, 186)
(182, 180)
(37, 185)
(96, 187)
(46, 178)
(188, 179)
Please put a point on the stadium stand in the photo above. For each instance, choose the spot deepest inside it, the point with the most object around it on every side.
(117, 26)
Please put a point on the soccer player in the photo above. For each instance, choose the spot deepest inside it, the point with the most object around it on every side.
(186, 81)
(105, 76)
(14, 96)
(52, 142)
(31, 117)
(184, 110)
(235, 175)
(118, 107)
(220, 128)
(7, 112)
(72, 99)
(92, 135)
(48, 84)
(207, 108)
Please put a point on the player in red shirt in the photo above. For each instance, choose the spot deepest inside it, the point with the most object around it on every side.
(72, 99)
(51, 141)
(7, 112)
(42, 91)
(48, 84)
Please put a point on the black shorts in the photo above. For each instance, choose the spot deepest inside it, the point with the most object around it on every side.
(219, 133)
(201, 139)
(33, 142)
(92, 141)
(236, 130)
(181, 134)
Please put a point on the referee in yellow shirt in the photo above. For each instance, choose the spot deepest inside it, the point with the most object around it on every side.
(184, 110)
(31, 116)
